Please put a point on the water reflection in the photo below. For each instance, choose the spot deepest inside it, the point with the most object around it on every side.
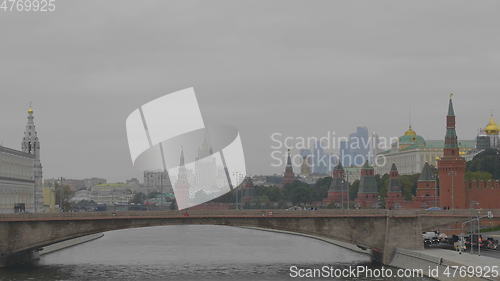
(197, 252)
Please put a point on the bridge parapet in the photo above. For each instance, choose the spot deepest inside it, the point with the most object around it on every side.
(260, 212)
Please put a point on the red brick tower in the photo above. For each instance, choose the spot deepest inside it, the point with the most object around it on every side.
(368, 190)
(427, 193)
(337, 193)
(394, 198)
(289, 176)
(451, 168)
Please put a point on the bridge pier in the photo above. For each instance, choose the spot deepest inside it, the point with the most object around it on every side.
(19, 258)
(401, 232)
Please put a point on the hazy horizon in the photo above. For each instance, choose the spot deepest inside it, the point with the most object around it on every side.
(294, 67)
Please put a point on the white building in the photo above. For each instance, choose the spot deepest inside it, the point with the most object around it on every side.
(21, 187)
(81, 195)
(112, 193)
(411, 152)
(16, 181)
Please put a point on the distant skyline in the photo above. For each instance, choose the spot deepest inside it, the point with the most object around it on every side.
(300, 68)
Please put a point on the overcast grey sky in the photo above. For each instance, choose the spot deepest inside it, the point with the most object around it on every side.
(301, 68)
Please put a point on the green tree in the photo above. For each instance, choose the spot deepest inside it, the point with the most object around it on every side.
(153, 194)
(382, 183)
(409, 185)
(298, 193)
(353, 190)
(63, 194)
(173, 206)
(486, 161)
(138, 198)
(478, 175)
(320, 188)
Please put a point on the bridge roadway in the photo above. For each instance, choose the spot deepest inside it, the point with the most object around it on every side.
(382, 231)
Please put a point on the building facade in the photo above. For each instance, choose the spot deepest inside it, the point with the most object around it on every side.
(21, 188)
(158, 180)
(17, 185)
(355, 151)
(111, 194)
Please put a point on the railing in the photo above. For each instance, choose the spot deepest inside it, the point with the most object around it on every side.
(253, 213)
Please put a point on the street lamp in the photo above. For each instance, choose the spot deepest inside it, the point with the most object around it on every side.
(342, 193)
(478, 219)
(345, 188)
(237, 175)
(348, 186)
(61, 194)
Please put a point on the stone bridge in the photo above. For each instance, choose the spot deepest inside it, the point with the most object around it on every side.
(382, 231)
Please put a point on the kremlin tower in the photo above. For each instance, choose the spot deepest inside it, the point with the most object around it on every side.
(289, 176)
(368, 190)
(337, 193)
(451, 168)
(394, 198)
(427, 193)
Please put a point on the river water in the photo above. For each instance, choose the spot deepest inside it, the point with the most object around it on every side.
(189, 252)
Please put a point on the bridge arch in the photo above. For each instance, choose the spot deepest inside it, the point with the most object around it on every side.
(380, 230)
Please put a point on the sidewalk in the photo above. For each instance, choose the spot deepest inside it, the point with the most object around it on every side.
(443, 259)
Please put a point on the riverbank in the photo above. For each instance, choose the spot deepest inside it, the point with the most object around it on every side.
(348, 246)
(69, 243)
(417, 259)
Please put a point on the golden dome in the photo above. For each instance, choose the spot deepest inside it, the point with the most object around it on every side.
(410, 132)
(30, 110)
(492, 128)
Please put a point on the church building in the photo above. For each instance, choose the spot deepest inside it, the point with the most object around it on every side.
(21, 174)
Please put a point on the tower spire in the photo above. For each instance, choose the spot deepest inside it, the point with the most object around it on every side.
(181, 160)
(30, 144)
(288, 160)
(451, 111)
(289, 176)
(409, 118)
(450, 141)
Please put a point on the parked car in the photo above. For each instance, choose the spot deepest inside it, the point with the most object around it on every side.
(433, 209)
(483, 241)
(430, 238)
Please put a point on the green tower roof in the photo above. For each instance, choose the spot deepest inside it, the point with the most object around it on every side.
(427, 173)
(451, 112)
